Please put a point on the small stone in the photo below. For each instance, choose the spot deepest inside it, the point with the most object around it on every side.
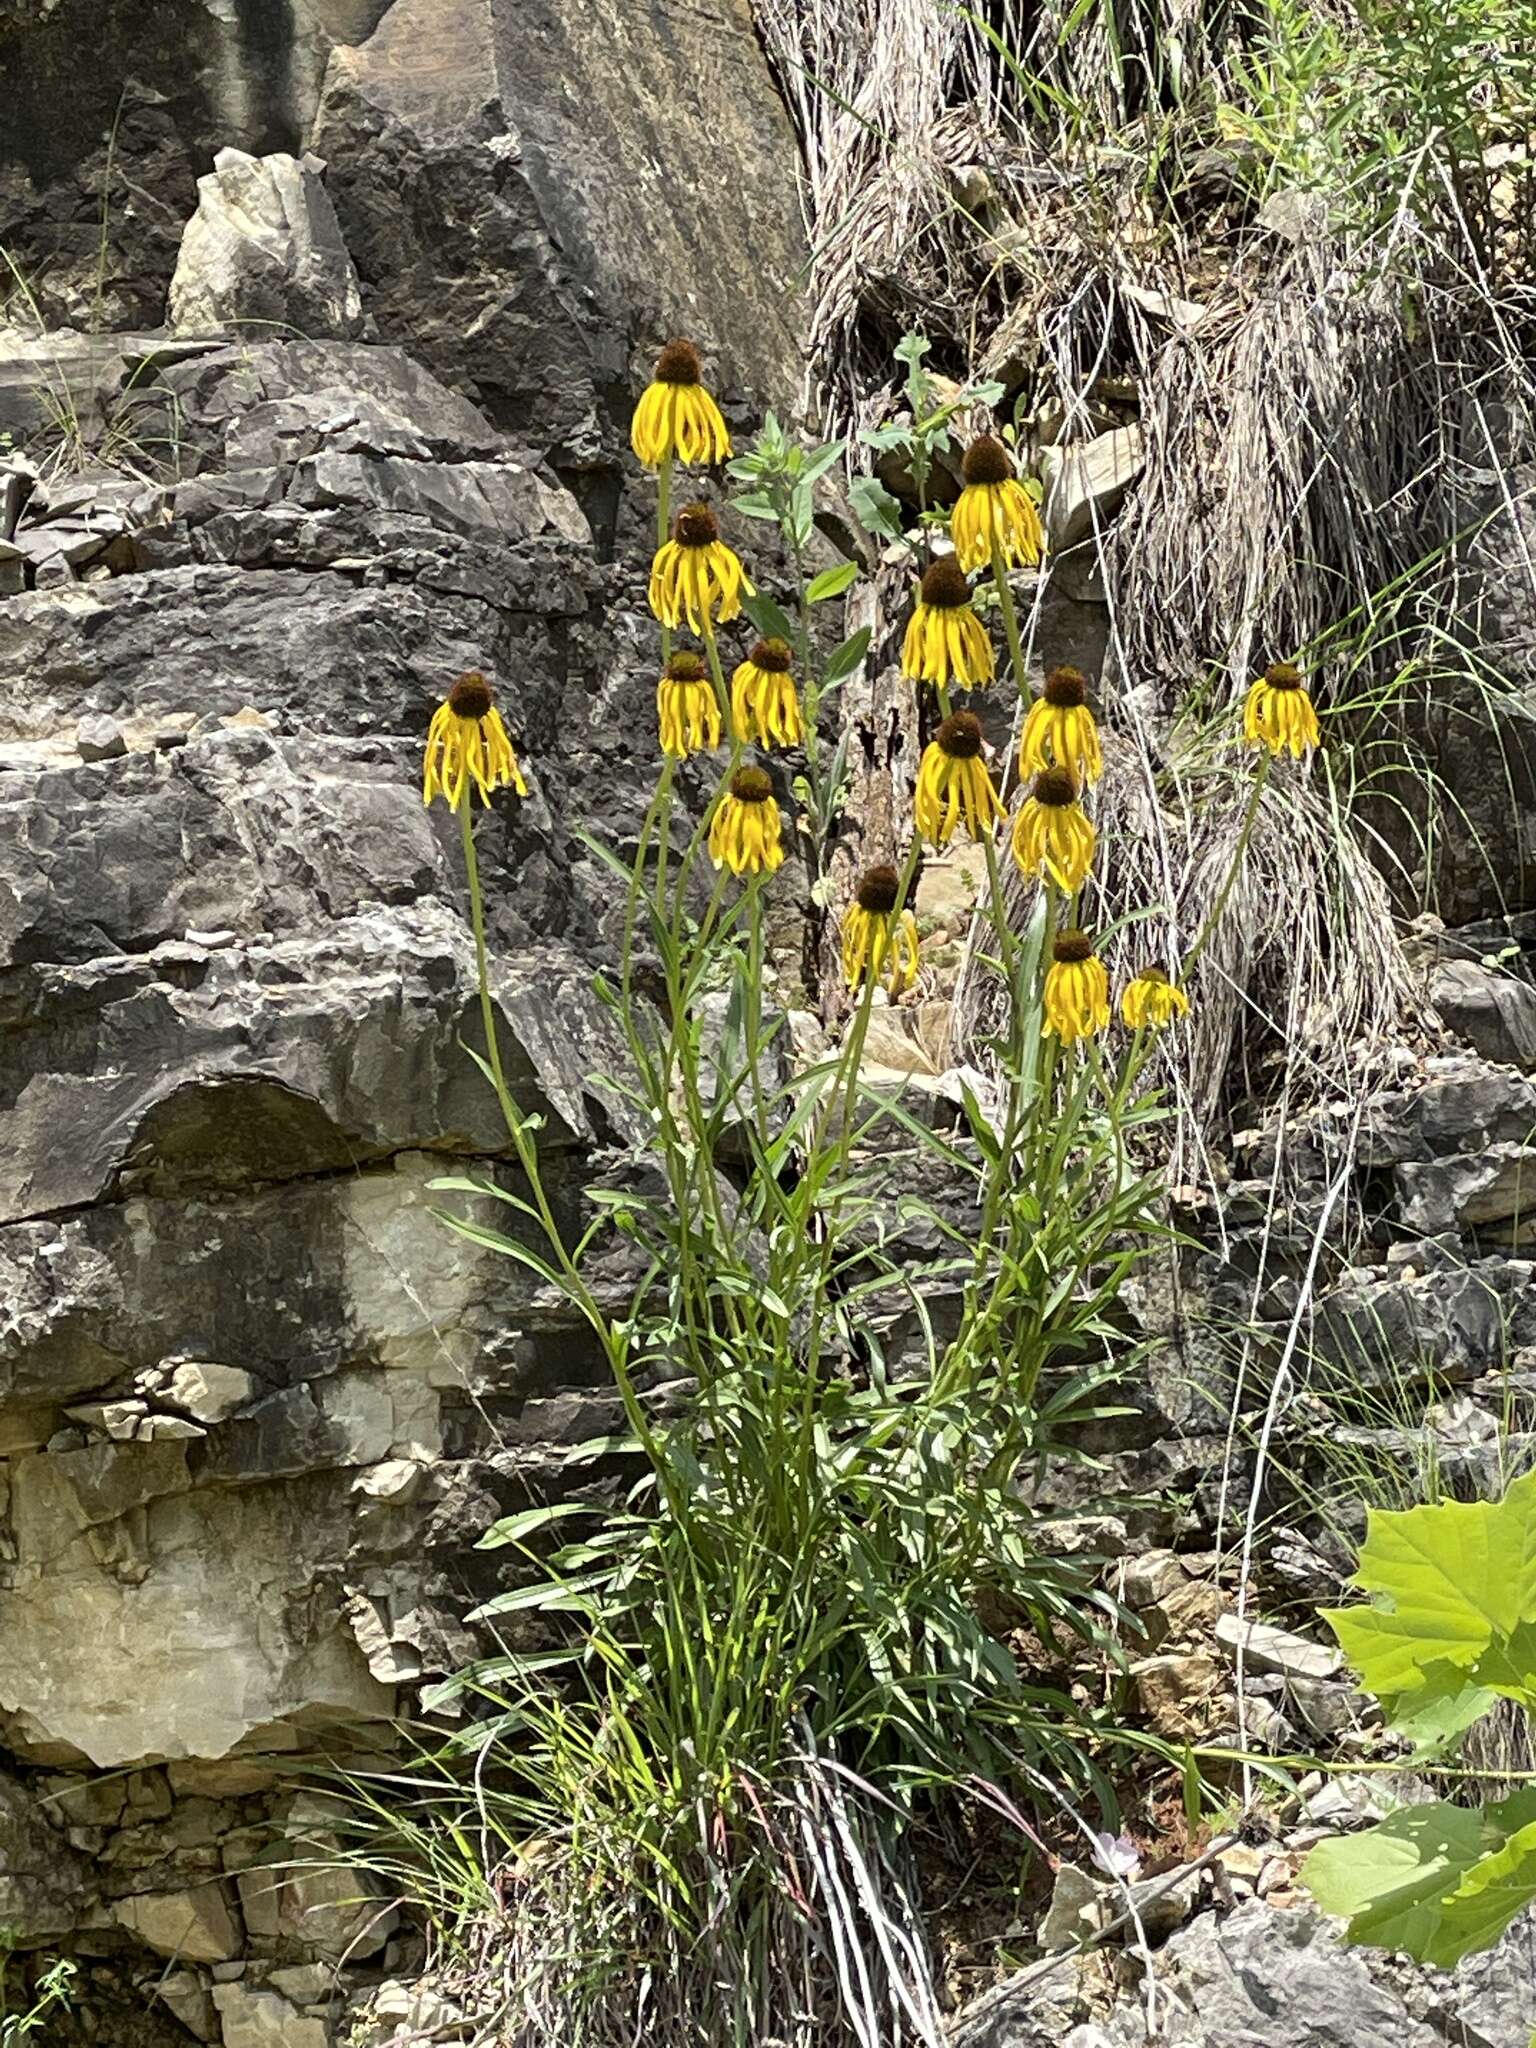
(263, 2019)
(193, 1926)
(1179, 1694)
(219, 1778)
(1085, 483)
(304, 1983)
(1275, 1649)
(187, 1996)
(116, 1419)
(1150, 1577)
(167, 1429)
(100, 738)
(210, 1393)
(396, 1481)
(87, 1802)
(173, 731)
(1326, 1707)
(1080, 1906)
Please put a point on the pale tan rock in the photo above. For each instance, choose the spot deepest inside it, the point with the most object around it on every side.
(263, 2019)
(210, 1392)
(1180, 1694)
(194, 1926)
(325, 1906)
(187, 1996)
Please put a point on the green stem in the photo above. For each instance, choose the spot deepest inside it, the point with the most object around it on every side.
(663, 534)
(482, 969)
(1010, 614)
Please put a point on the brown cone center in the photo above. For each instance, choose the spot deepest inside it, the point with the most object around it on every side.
(878, 890)
(945, 584)
(679, 363)
(986, 461)
(1072, 946)
(685, 668)
(771, 655)
(1056, 787)
(1066, 688)
(696, 527)
(1283, 675)
(960, 736)
(751, 786)
(471, 696)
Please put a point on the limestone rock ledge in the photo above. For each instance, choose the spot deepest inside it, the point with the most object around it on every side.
(256, 1401)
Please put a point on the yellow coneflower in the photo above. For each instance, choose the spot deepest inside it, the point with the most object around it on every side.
(876, 941)
(994, 502)
(1152, 999)
(1279, 713)
(695, 575)
(1059, 731)
(467, 743)
(953, 783)
(1076, 989)
(746, 833)
(676, 415)
(1052, 840)
(686, 708)
(764, 707)
(945, 641)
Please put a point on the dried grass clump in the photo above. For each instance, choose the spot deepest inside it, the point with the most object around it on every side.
(1325, 328)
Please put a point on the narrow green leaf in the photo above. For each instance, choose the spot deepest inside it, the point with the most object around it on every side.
(769, 620)
(831, 582)
(847, 657)
(515, 1528)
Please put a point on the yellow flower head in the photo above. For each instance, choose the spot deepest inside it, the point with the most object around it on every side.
(946, 642)
(676, 415)
(746, 834)
(686, 708)
(1152, 999)
(953, 783)
(1279, 713)
(1076, 989)
(694, 574)
(994, 504)
(1052, 840)
(877, 940)
(764, 707)
(1059, 731)
(467, 742)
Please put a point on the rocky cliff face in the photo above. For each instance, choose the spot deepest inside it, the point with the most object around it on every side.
(255, 1402)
